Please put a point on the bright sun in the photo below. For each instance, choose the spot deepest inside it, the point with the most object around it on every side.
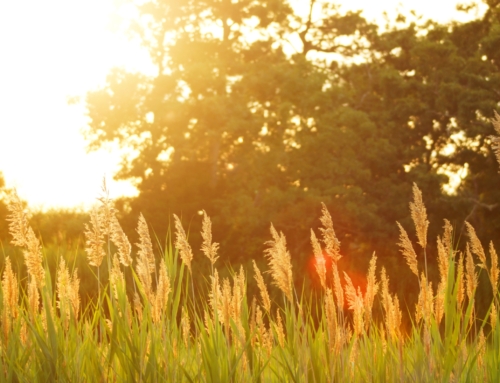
(55, 49)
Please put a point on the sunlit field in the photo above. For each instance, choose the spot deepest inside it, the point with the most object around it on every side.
(313, 191)
(150, 321)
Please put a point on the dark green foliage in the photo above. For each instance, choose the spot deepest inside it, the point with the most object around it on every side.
(238, 125)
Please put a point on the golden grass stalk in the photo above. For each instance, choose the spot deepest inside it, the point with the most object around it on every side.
(355, 303)
(494, 269)
(280, 263)
(447, 240)
(393, 314)
(33, 298)
(208, 247)
(182, 244)
(407, 250)
(215, 295)
(10, 290)
(106, 211)
(138, 306)
(67, 287)
(253, 322)
(94, 239)
(419, 216)
(332, 244)
(263, 336)
(236, 309)
(23, 334)
(162, 291)
(238, 294)
(337, 286)
(74, 293)
(240, 280)
(439, 302)
(33, 258)
(121, 242)
(425, 305)
(471, 278)
(331, 319)
(145, 258)
(266, 301)
(371, 290)
(63, 287)
(443, 260)
(18, 221)
(226, 305)
(116, 276)
(385, 295)
(24, 236)
(475, 245)
(460, 280)
(145, 246)
(319, 259)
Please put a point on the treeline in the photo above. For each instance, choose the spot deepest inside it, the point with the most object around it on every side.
(258, 114)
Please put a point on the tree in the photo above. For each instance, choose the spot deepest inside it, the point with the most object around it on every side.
(235, 124)
(214, 129)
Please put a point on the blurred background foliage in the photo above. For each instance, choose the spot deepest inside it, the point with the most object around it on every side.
(257, 114)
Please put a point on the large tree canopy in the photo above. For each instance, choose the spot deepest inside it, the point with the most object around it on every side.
(239, 124)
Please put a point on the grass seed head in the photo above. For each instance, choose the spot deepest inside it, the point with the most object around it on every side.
(145, 258)
(280, 263)
(182, 244)
(332, 244)
(162, 293)
(419, 216)
(337, 286)
(425, 303)
(116, 277)
(407, 250)
(331, 318)
(475, 245)
(471, 278)
(215, 295)
(62, 286)
(319, 259)
(460, 280)
(494, 269)
(33, 298)
(94, 239)
(18, 221)
(106, 210)
(266, 301)
(279, 329)
(371, 290)
(208, 247)
(10, 290)
(121, 242)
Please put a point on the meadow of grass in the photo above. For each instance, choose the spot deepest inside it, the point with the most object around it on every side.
(149, 321)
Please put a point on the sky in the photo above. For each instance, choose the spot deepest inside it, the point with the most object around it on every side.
(53, 50)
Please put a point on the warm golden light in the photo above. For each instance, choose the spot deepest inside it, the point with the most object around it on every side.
(56, 49)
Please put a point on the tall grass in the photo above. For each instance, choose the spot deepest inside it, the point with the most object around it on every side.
(149, 321)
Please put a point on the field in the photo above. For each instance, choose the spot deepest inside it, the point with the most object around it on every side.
(148, 323)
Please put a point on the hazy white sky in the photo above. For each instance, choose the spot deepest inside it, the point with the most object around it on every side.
(54, 49)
